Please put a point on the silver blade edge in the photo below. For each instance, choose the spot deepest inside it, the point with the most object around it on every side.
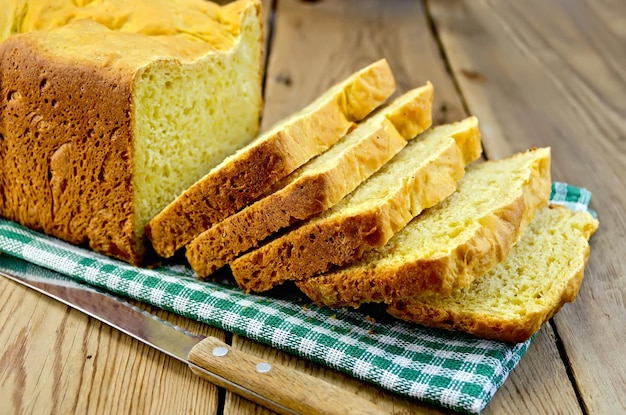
(139, 324)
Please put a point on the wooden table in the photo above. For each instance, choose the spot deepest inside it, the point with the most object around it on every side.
(536, 73)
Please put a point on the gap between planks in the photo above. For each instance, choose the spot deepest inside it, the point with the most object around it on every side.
(568, 367)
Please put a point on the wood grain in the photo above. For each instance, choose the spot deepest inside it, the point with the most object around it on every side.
(552, 73)
(316, 44)
(58, 360)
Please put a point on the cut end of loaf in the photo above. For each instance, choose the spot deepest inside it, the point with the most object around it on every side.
(371, 86)
(181, 136)
(411, 113)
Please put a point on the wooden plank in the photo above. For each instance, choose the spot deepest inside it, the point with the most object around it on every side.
(57, 360)
(552, 73)
(318, 43)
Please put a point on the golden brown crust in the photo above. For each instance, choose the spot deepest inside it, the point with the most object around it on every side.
(67, 149)
(244, 177)
(223, 242)
(495, 329)
(341, 241)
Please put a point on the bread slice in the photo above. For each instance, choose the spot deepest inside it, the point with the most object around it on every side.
(451, 244)
(543, 271)
(107, 117)
(244, 176)
(420, 176)
(317, 185)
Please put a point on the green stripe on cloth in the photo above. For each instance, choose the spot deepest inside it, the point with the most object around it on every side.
(454, 370)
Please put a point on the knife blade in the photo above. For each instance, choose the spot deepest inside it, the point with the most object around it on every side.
(281, 389)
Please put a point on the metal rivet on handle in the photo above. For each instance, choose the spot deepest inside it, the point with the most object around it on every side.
(220, 351)
(263, 367)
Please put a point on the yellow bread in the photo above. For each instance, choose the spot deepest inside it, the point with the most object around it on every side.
(420, 176)
(543, 271)
(451, 244)
(317, 185)
(112, 108)
(244, 176)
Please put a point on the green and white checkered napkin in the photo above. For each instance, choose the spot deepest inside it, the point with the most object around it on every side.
(453, 370)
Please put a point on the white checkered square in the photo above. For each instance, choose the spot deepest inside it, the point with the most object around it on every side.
(113, 282)
(389, 380)
(306, 346)
(280, 337)
(134, 289)
(335, 357)
(362, 368)
(156, 297)
(205, 311)
(254, 327)
(180, 304)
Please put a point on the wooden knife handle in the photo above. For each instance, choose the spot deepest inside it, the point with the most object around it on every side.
(281, 389)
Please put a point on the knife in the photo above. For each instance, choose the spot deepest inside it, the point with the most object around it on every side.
(281, 389)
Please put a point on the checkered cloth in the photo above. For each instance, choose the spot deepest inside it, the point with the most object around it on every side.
(454, 370)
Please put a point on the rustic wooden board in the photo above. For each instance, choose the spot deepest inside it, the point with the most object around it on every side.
(552, 73)
(58, 360)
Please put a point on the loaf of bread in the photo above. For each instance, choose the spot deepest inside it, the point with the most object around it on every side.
(110, 109)
(421, 175)
(543, 271)
(452, 243)
(244, 176)
(317, 185)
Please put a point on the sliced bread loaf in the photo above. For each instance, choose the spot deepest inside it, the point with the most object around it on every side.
(451, 244)
(245, 175)
(107, 116)
(420, 176)
(543, 271)
(317, 185)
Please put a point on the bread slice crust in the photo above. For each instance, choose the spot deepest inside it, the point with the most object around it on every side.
(421, 175)
(543, 271)
(400, 269)
(317, 185)
(243, 177)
